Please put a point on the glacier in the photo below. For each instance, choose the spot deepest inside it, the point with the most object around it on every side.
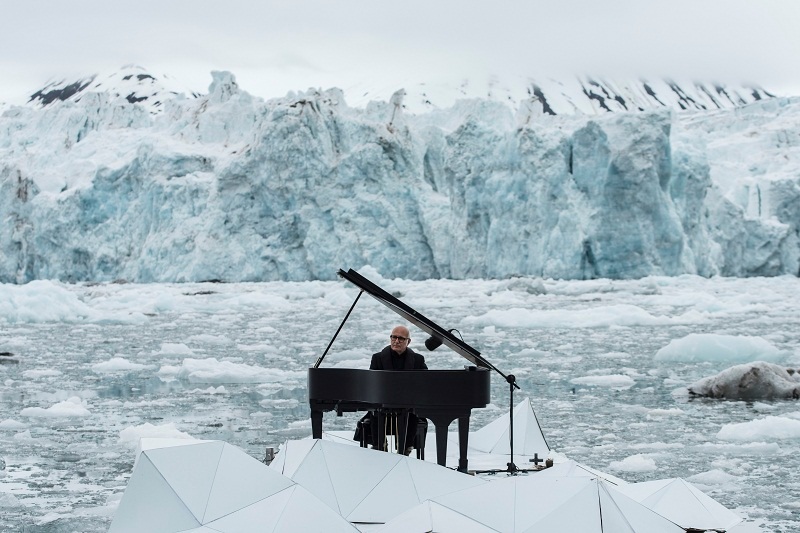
(230, 187)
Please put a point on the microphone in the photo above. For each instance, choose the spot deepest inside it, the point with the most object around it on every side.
(431, 343)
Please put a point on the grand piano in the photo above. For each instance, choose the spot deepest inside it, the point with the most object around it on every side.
(441, 396)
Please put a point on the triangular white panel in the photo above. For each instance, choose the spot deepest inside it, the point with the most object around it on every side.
(613, 518)
(528, 437)
(487, 437)
(491, 503)
(151, 443)
(432, 480)
(279, 461)
(304, 512)
(682, 503)
(683, 507)
(150, 504)
(313, 474)
(355, 471)
(418, 519)
(531, 439)
(393, 495)
(662, 491)
(574, 469)
(340, 437)
(431, 516)
(294, 452)
(641, 519)
(240, 481)
(446, 520)
(569, 504)
(262, 516)
(190, 470)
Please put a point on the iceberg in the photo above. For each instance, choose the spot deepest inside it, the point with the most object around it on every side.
(752, 381)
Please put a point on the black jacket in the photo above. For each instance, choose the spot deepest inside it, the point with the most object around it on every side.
(383, 360)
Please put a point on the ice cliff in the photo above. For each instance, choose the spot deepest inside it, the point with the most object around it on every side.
(227, 186)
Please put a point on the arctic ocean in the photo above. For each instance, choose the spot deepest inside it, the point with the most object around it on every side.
(97, 366)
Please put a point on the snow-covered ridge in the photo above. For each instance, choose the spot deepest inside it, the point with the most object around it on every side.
(581, 95)
(132, 83)
(578, 95)
(230, 187)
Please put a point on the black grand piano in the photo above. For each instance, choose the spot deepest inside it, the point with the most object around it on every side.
(441, 396)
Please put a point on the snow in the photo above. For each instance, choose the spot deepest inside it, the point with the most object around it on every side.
(529, 97)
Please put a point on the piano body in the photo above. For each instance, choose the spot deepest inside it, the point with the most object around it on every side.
(441, 396)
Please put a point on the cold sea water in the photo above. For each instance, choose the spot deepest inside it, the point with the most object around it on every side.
(88, 369)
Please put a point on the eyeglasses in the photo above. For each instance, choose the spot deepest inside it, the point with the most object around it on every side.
(398, 338)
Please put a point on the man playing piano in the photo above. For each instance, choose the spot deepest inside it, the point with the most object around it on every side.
(396, 356)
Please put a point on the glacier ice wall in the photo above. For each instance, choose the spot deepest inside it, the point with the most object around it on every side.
(230, 187)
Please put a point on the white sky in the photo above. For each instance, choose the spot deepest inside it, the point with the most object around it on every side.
(273, 47)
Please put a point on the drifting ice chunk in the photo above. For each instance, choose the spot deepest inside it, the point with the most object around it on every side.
(751, 381)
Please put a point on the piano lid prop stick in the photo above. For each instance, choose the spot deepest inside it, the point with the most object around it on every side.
(321, 357)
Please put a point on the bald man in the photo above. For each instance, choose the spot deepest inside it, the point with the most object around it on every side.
(398, 356)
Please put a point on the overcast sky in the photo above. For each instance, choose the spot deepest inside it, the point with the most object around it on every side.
(273, 47)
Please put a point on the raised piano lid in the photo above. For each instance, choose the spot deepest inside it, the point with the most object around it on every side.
(418, 319)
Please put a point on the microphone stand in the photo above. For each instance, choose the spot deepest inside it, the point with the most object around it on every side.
(511, 468)
(512, 382)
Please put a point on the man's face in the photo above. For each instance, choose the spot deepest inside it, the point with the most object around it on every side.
(399, 339)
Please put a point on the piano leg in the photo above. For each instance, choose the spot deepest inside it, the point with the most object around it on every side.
(441, 420)
(441, 442)
(463, 436)
(378, 429)
(402, 431)
(316, 424)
